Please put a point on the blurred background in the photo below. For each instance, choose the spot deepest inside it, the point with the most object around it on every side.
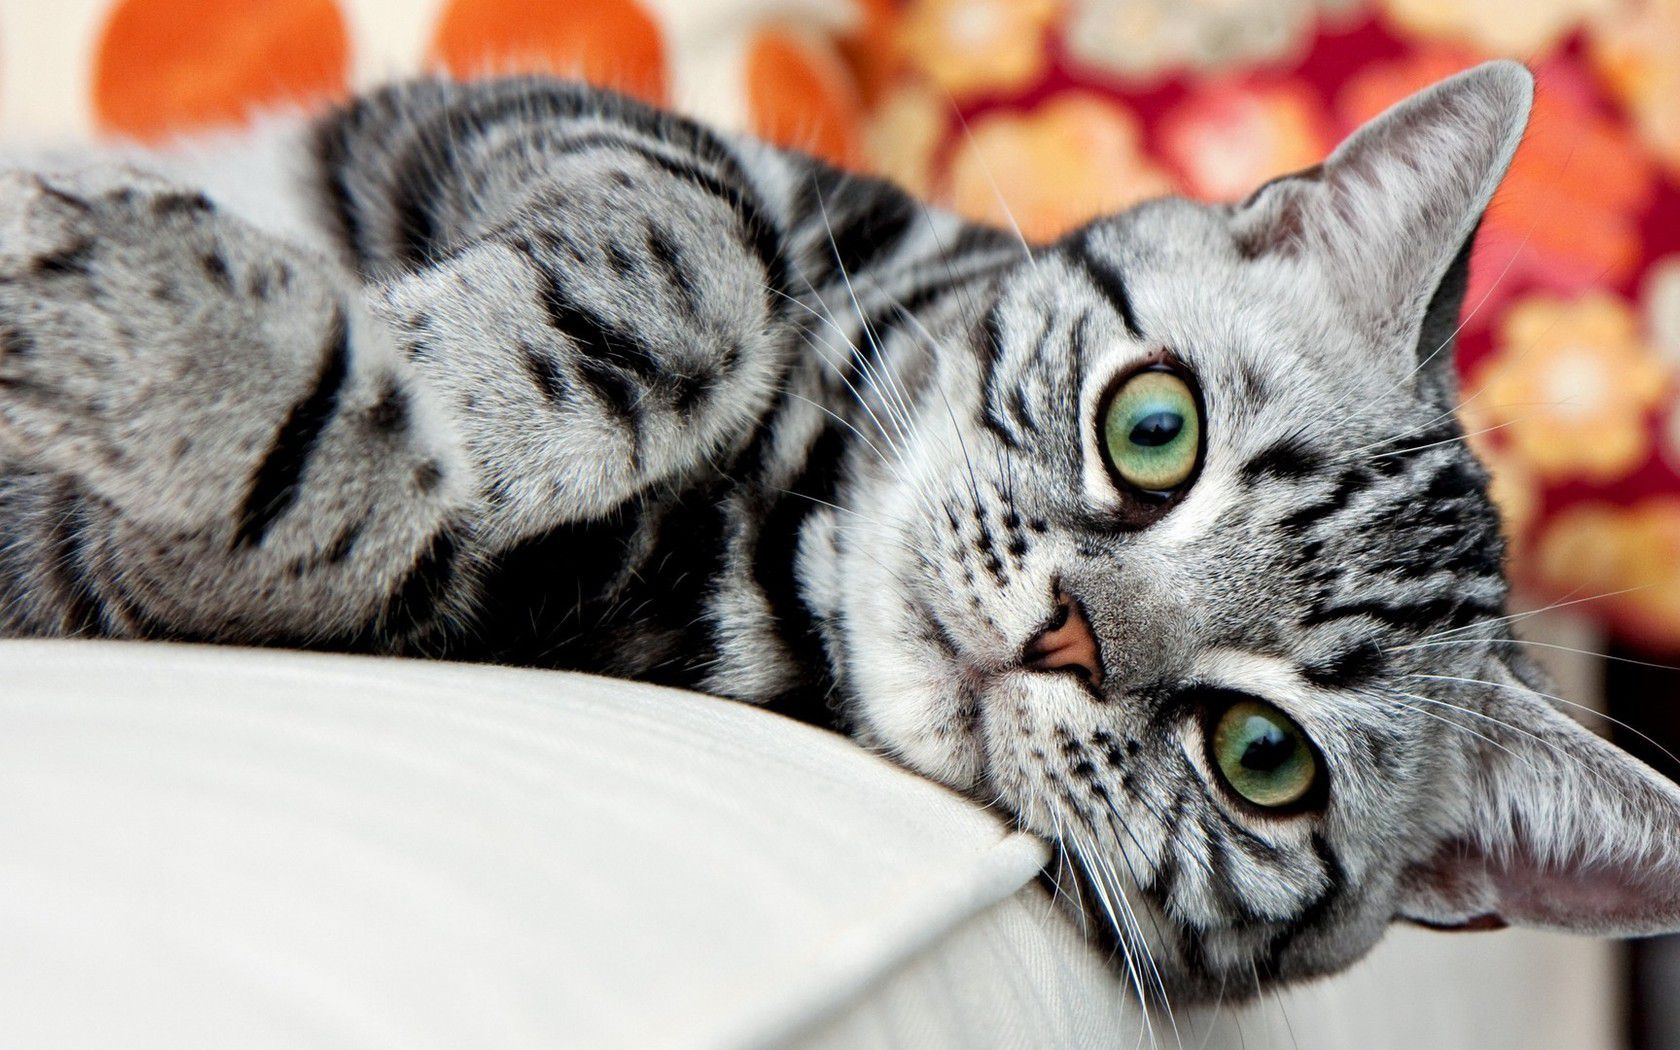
(1046, 112)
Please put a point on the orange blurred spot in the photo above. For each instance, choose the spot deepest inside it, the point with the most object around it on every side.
(800, 94)
(171, 65)
(871, 51)
(612, 43)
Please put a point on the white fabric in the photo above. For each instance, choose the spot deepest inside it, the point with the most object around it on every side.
(214, 847)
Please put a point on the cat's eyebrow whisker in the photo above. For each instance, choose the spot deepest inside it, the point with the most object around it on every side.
(874, 365)
(1524, 689)
(1444, 441)
(1529, 641)
(841, 375)
(849, 425)
(1550, 745)
(1395, 698)
(1562, 603)
(820, 344)
(986, 169)
(851, 290)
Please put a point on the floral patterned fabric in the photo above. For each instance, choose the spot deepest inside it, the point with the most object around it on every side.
(1047, 112)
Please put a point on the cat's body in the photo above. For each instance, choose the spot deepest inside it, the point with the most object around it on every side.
(522, 372)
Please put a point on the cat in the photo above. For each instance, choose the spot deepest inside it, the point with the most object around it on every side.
(1161, 537)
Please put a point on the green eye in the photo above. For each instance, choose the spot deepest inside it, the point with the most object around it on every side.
(1263, 755)
(1152, 431)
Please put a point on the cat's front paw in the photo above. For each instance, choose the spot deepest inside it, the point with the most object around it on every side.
(129, 307)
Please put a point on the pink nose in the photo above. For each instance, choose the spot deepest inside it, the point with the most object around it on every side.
(1066, 643)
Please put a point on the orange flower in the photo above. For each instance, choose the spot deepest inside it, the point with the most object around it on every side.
(615, 43)
(1519, 28)
(166, 67)
(1567, 216)
(1571, 385)
(1073, 158)
(1629, 555)
(1637, 52)
(968, 47)
(800, 94)
(1227, 140)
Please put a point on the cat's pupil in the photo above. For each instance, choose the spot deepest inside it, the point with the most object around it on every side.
(1269, 749)
(1156, 429)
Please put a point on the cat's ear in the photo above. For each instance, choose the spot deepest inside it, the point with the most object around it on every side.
(1560, 830)
(1389, 218)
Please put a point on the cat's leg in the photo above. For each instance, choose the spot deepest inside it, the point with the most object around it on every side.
(203, 431)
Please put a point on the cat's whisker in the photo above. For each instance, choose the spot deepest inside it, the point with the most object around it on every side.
(1116, 819)
(1551, 745)
(1628, 660)
(857, 395)
(851, 292)
(986, 169)
(1562, 603)
(1093, 876)
(1528, 690)
(1411, 449)
(1395, 698)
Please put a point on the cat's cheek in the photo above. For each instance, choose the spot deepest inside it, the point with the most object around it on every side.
(910, 710)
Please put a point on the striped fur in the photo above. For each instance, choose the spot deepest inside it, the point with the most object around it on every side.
(527, 373)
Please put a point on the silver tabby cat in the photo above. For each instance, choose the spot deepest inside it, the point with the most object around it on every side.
(1163, 536)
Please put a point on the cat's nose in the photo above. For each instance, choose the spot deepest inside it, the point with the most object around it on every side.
(1065, 643)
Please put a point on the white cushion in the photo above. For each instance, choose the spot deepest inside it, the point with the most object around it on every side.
(213, 847)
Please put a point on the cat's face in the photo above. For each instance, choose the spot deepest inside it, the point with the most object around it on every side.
(1185, 562)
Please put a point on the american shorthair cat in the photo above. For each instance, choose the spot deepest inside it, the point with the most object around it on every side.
(1162, 537)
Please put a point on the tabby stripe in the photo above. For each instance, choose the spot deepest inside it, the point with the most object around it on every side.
(545, 373)
(413, 602)
(1219, 882)
(763, 237)
(1110, 284)
(83, 613)
(594, 336)
(1019, 410)
(275, 485)
(1316, 915)
(1354, 481)
(991, 354)
(1289, 457)
(1350, 667)
(547, 589)
(664, 251)
(884, 322)
(618, 395)
(775, 557)
(876, 227)
(1414, 616)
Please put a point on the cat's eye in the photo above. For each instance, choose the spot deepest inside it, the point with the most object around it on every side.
(1263, 755)
(1151, 432)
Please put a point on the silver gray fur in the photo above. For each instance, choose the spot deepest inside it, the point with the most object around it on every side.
(528, 373)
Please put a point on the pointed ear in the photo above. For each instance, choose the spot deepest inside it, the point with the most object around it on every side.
(1562, 831)
(1390, 216)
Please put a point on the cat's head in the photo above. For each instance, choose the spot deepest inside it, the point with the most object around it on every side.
(1177, 550)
